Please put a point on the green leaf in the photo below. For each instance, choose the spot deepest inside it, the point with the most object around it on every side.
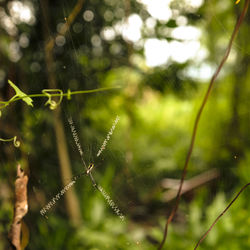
(20, 94)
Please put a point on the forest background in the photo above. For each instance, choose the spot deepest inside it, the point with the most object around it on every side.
(156, 59)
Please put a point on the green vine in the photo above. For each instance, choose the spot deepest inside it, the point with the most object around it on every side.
(14, 139)
(49, 93)
(46, 93)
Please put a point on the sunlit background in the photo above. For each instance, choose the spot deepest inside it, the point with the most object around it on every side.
(185, 44)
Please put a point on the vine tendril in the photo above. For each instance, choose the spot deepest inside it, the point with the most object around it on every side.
(53, 104)
(16, 143)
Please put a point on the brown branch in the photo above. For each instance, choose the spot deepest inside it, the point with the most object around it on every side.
(188, 185)
(224, 211)
(211, 84)
(66, 26)
(72, 203)
(21, 208)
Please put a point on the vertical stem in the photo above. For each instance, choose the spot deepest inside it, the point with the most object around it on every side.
(198, 116)
(72, 204)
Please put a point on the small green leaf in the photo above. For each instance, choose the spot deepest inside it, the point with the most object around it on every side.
(20, 94)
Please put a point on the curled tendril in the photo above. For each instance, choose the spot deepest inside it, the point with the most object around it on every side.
(14, 139)
(53, 104)
(16, 142)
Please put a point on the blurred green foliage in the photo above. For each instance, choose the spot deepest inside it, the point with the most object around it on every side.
(157, 107)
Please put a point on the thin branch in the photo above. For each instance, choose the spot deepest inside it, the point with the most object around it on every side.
(21, 208)
(65, 27)
(211, 84)
(224, 211)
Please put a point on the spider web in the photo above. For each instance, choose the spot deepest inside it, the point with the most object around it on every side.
(125, 177)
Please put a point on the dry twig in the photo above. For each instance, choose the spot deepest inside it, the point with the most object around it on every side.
(66, 26)
(21, 207)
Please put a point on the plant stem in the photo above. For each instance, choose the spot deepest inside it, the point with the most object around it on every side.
(210, 86)
(64, 94)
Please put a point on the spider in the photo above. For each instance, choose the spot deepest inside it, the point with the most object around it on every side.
(87, 172)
